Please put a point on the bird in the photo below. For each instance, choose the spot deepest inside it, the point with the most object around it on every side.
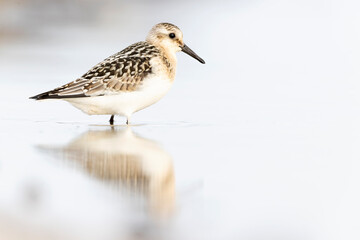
(130, 80)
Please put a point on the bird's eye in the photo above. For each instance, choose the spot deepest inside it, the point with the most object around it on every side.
(172, 35)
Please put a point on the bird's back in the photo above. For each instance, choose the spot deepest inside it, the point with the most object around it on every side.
(121, 72)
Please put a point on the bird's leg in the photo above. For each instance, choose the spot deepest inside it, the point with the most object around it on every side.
(111, 121)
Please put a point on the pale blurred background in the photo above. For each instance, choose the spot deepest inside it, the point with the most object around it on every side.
(261, 142)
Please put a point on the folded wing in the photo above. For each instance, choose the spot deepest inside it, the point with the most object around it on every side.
(121, 72)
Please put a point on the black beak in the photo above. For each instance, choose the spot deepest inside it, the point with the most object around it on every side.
(190, 52)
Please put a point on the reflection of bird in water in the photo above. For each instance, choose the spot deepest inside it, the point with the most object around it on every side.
(120, 157)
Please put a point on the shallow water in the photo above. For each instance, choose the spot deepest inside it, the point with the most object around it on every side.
(176, 180)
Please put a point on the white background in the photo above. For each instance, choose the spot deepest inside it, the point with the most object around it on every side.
(263, 138)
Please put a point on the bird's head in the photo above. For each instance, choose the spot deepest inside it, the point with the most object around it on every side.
(170, 38)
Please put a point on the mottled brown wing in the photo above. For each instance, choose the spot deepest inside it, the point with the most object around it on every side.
(121, 72)
(107, 77)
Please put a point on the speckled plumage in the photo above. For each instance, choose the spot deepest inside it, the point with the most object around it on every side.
(123, 71)
(146, 67)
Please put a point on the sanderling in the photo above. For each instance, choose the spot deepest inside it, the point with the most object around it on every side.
(130, 80)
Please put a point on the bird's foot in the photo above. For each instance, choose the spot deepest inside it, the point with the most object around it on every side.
(111, 121)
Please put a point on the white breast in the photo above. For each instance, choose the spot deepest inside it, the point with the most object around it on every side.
(125, 103)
